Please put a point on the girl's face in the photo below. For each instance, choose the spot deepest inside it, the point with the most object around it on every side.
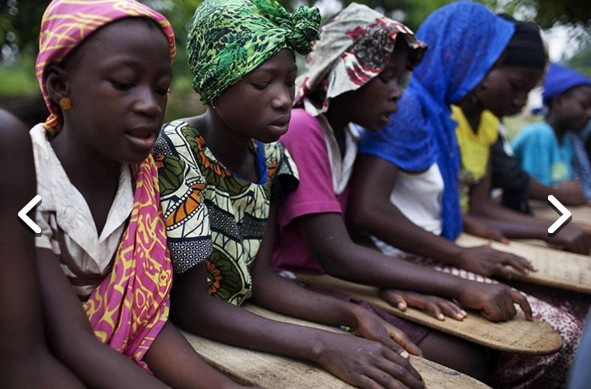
(259, 105)
(118, 82)
(504, 90)
(371, 105)
(573, 108)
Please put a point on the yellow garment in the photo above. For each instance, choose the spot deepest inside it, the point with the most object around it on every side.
(474, 149)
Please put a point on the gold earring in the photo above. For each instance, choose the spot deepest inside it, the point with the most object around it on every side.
(65, 103)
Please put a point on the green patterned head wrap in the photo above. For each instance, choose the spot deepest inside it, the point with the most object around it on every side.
(231, 38)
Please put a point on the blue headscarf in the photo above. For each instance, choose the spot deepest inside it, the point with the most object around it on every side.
(465, 40)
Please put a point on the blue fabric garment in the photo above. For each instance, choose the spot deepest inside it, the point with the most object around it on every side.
(581, 167)
(542, 156)
(559, 80)
(580, 374)
(465, 40)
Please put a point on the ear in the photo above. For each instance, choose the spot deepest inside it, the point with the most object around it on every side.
(56, 82)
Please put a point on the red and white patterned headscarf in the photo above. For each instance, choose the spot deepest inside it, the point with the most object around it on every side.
(354, 48)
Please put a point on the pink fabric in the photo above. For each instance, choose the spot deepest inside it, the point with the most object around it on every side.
(314, 194)
(66, 23)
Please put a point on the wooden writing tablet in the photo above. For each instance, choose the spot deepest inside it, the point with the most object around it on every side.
(558, 269)
(517, 335)
(273, 371)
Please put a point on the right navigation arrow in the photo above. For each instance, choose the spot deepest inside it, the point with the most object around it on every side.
(565, 216)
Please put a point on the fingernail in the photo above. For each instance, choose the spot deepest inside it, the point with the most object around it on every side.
(401, 306)
(405, 354)
(440, 316)
(464, 313)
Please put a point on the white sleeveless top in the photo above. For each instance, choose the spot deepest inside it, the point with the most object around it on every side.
(418, 196)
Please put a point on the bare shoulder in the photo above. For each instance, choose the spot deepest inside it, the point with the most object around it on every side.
(16, 154)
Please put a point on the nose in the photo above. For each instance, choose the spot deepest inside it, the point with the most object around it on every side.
(147, 103)
(519, 100)
(283, 98)
(395, 90)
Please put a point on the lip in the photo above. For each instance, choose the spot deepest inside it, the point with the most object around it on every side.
(385, 118)
(142, 137)
(281, 122)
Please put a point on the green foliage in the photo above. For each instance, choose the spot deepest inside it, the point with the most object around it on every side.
(18, 80)
(581, 61)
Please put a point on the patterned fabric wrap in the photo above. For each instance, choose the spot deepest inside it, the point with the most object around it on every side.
(130, 307)
(355, 47)
(230, 38)
(212, 214)
(465, 40)
(65, 25)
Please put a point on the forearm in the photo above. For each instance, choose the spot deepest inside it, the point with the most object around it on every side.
(390, 225)
(538, 191)
(172, 359)
(512, 224)
(287, 297)
(35, 367)
(72, 340)
(216, 319)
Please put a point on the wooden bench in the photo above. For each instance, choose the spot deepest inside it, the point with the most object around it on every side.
(273, 371)
(517, 335)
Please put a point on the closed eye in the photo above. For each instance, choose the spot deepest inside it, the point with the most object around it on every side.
(122, 86)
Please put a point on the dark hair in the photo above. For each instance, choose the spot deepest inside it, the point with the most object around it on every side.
(526, 48)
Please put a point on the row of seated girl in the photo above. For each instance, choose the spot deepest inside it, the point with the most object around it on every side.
(216, 200)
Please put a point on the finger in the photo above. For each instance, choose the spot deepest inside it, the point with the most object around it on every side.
(519, 263)
(386, 338)
(510, 308)
(401, 339)
(400, 369)
(393, 298)
(502, 271)
(452, 310)
(522, 302)
(491, 312)
(383, 379)
(366, 382)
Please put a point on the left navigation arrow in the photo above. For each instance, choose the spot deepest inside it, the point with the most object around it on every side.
(22, 214)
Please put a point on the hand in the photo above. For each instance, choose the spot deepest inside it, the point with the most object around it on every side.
(367, 364)
(570, 193)
(572, 238)
(496, 302)
(372, 327)
(489, 262)
(435, 306)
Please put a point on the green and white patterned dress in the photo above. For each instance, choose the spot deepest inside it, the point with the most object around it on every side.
(213, 215)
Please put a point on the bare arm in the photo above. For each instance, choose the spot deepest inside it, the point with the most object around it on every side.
(73, 340)
(25, 358)
(372, 211)
(569, 193)
(287, 297)
(331, 244)
(173, 360)
(356, 360)
(517, 225)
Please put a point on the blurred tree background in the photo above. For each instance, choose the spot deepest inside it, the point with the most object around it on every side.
(20, 19)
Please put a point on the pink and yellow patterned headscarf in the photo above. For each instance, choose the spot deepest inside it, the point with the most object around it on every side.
(130, 307)
(65, 25)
